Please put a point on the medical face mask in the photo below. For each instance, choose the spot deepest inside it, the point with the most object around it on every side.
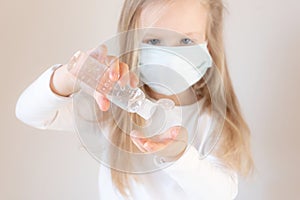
(173, 69)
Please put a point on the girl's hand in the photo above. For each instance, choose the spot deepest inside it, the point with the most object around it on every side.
(169, 145)
(117, 72)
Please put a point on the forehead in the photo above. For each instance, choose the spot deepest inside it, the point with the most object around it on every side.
(183, 16)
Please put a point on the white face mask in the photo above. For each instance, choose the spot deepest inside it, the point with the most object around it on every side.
(173, 69)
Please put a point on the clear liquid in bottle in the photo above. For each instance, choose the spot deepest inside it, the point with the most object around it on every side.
(90, 73)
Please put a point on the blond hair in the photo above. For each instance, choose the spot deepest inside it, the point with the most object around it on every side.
(233, 147)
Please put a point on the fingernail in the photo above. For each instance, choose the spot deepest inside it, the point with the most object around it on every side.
(114, 76)
(104, 107)
(135, 83)
(101, 101)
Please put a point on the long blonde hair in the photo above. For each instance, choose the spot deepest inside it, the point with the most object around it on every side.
(233, 148)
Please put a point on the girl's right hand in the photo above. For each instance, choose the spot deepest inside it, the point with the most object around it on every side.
(63, 81)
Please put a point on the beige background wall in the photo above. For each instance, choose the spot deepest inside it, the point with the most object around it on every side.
(263, 45)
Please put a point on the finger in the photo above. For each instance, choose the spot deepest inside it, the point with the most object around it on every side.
(105, 85)
(139, 142)
(124, 74)
(138, 135)
(170, 134)
(152, 146)
(171, 150)
(139, 145)
(73, 65)
(113, 63)
(102, 101)
(166, 140)
(134, 80)
(99, 53)
(149, 146)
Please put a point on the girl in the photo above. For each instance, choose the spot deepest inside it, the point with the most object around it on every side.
(47, 104)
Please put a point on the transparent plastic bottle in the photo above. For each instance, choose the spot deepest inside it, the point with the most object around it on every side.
(89, 72)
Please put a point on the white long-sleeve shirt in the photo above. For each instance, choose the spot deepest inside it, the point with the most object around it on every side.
(188, 178)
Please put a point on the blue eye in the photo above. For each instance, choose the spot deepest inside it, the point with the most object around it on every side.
(153, 42)
(187, 41)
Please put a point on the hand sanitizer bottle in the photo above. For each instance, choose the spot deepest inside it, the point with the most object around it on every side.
(89, 72)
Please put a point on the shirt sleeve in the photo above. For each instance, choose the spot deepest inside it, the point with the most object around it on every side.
(201, 178)
(38, 106)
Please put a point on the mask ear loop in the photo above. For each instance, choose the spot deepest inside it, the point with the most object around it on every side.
(208, 76)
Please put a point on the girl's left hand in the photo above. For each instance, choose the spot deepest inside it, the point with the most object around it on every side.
(170, 145)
